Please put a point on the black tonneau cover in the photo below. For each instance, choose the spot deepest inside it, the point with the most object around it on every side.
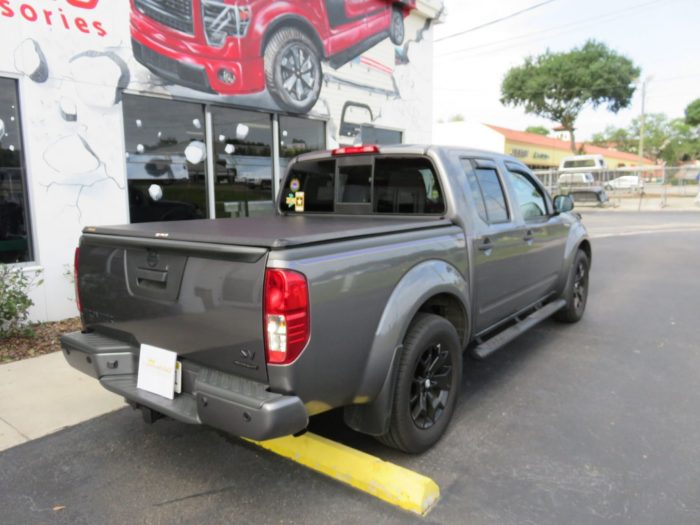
(273, 232)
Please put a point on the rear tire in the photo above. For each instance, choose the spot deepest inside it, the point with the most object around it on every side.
(576, 293)
(427, 385)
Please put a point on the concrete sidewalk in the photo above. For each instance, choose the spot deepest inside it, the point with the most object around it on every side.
(44, 394)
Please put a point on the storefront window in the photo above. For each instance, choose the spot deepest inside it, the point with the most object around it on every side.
(243, 150)
(299, 135)
(374, 135)
(165, 159)
(15, 238)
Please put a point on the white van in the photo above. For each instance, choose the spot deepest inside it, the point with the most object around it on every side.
(582, 163)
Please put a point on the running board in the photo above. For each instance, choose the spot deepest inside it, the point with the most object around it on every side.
(488, 347)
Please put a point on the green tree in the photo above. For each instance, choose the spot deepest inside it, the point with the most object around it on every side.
(558, 86)
(537, 130)
(670, 140)
(692, 113)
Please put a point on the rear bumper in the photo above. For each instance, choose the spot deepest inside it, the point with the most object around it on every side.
(235, 405)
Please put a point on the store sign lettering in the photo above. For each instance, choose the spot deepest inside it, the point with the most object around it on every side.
(519, 153)
(538, 155)
(55, 16)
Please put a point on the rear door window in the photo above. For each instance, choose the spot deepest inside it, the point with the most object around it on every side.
(485, 186)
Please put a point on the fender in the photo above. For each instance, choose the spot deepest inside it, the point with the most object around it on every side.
(272, 20)
(577, 235)
(375, 395)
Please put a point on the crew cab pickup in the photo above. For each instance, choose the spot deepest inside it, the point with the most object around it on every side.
(380, 268)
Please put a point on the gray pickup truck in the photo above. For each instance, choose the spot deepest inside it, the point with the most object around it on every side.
(380, 268)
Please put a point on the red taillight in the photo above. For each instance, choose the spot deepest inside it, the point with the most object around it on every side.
(76, 274)
(285, 315)
(355, 150)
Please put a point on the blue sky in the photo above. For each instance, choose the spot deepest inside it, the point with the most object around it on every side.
(660, 36)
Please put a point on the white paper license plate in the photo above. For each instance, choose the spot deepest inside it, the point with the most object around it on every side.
(159, 371)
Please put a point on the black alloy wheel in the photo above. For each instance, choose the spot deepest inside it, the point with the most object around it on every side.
(576, 292)
(427, 384)
(430, 390)
(580, 286)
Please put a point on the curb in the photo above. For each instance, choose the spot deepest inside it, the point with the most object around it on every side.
(392, 483)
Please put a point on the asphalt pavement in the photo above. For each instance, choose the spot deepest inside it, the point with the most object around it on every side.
(593, 423)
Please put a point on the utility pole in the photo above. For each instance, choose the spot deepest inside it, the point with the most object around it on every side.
(643, 118)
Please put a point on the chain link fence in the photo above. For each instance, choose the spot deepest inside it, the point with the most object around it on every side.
(643, 186)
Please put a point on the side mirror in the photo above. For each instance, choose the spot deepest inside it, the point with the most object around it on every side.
(563, 203)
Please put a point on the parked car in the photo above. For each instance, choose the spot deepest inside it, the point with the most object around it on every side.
(589, 195)
(576, 179)
(379, 269)
(242, 47)
(625, 182)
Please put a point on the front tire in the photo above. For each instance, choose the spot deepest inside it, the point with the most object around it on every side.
(292, 70)
(427, 385)
(576, 293)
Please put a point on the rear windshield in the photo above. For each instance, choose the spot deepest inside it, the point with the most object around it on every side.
(363, 185)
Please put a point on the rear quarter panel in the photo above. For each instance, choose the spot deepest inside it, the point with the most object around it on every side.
(350, 284)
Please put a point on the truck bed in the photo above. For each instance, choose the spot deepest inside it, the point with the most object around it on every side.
(274, 232)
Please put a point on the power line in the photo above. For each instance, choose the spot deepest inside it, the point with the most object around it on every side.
(607, 17)
(496, 21)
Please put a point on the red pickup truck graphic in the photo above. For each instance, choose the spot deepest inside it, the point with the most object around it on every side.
(233, 47)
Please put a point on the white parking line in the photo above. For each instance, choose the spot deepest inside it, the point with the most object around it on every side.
(645, 232)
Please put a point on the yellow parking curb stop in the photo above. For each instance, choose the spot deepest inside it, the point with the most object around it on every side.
(389, 482)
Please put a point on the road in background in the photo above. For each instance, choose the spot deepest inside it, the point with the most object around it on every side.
(591, 423)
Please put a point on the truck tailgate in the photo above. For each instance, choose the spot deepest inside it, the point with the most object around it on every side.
(200, 300)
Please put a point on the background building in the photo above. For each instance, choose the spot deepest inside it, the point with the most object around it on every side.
(536, 151)
(156, 110)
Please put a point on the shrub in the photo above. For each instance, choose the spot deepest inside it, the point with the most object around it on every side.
(15, 301)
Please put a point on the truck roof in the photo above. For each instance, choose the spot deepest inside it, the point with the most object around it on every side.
(416, 149)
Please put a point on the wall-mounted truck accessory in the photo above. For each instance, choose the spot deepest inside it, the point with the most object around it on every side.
(242, 47)
(381, 266)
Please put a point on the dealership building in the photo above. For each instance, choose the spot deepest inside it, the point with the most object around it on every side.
(157, 110)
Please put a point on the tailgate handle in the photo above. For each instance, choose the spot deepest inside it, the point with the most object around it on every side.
(151, 277)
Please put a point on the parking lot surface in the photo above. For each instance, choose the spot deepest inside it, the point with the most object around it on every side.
(591, 423)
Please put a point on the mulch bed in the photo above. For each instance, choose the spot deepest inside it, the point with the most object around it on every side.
(44, 341)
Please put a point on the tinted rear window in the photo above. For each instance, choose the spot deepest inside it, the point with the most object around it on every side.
(381, 185)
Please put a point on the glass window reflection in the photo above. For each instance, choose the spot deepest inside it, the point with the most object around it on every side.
(165, 158)
(243, 150)
(15, 238)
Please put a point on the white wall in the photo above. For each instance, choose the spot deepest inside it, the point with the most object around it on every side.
(73, 158)
(468, 134)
